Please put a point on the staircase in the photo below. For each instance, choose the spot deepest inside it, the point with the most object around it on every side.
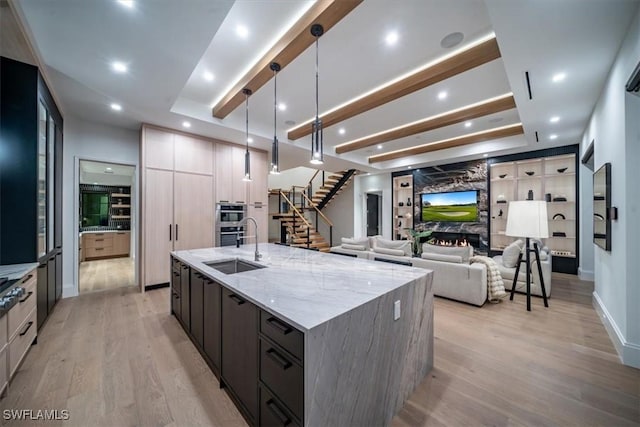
(297, 225)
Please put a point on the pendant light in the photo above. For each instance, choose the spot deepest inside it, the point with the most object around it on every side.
(275, 165)
(316, 134)
(247, 156)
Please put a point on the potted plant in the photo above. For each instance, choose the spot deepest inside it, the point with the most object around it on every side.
(417, 236)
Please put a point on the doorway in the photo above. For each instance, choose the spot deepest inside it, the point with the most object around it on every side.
(106, 239)
(374, 210)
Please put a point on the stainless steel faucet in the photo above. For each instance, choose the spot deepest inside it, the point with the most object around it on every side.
(246, 219)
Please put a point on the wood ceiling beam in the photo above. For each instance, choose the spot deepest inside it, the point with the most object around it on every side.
(485, 108)
(324, 12)
(501, 132)
(477, 55)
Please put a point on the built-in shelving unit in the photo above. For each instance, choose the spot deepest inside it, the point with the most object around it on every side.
(550, 178)
(402, 206)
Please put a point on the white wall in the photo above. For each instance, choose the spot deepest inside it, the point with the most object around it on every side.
(340, 212)
(613, 127)
(90, 141)
(363, 185)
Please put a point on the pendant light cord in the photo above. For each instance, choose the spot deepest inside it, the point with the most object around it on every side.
(275, 101)
(247, 119)
(317, 67)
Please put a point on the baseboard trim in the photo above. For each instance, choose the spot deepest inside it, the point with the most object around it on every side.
(157, 286)
(629, 353)
(587, 275)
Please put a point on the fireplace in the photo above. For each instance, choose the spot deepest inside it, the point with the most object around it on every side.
(451, 239)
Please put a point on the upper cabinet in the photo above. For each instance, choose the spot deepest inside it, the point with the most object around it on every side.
(550, 178)
(158, 148)
(30, 166)
(193, 155)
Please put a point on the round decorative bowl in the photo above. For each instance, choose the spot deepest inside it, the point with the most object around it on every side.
(503, 175)
(561, 170)
(530, 173)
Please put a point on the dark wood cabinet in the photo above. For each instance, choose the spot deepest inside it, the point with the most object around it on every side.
(42, 306)
(272, 412)
(196, 296)
(212, 323)
(185, 299)
(239, 370)
(176, 289)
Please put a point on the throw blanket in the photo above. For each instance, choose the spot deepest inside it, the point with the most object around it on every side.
(495, 285)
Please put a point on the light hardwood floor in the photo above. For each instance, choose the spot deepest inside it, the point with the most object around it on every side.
(104, 274)
(116, 358)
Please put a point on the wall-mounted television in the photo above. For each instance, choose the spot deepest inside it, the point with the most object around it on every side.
(455, 206)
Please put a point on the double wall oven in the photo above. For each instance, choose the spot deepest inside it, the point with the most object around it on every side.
(228, 216)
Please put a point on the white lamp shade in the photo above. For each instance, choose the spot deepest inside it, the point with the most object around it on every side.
(527, 218)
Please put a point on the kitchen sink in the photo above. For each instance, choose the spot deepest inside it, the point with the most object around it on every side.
(233, 266)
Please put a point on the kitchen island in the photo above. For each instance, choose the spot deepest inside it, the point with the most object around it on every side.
(308, 338)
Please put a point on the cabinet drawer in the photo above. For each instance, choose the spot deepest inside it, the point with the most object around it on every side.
(4, 337)
(283, 334)
(98, 252)
(272, 412)
(19, 312)
(20, 344)
(102, 240)
(283, 375)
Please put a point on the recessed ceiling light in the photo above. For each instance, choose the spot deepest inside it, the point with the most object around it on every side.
(282, 106)
(391, 38)
(559, 77)
(119, 67)
(95, 183)
(250, 140)
(442, 95)
(126, 3)
(451, 40)
(342, 131)
(379, 146)
(186, 124)
(553, 136)
(554, 119)
(409, 167)
(108, 169)
(208, 76)
(485, 155)
(116, 107)
(467, 124)
(242, 31)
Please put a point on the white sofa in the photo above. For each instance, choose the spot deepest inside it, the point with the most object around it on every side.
(453, 276)
(506, 265)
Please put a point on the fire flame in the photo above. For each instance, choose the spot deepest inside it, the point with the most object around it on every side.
(457, 242)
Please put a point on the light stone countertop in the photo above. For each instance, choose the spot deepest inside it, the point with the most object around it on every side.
(16, 271)
(306, 288)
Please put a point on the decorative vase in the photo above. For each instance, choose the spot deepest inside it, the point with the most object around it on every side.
(530, 195)
(408, 201)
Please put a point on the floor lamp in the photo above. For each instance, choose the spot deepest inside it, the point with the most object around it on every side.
(528, 219)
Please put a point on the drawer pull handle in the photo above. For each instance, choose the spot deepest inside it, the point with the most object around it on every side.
(99, 240)
(279, 413)
(26, 298)
(237, 299)
(99, 249)
(279, 359)
(26, 279)
(279, 325)
(23, 333)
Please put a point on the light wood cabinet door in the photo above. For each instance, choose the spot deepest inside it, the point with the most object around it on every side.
(240, 187)
(158, 148)
(260, 214)
(194, 211)
(121, 243)
(158, 232)
(193, 155)
(260, 175)
(224, 168)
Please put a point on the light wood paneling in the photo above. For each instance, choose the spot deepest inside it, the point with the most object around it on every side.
(194, 211)
(466, 60)
(229, 173)
(158, 199)
(260, 176)
(193, 155)
(293, 43)
(121, 243)
(449, 143)
(260, 214)
(447, 119)
(158, 148)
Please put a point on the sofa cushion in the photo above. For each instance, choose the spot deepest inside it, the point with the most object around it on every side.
(402, 245)
(363, 241)
(354, 247)
(464, 252)
(510, 254)
(442, 257)
(387, 251)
